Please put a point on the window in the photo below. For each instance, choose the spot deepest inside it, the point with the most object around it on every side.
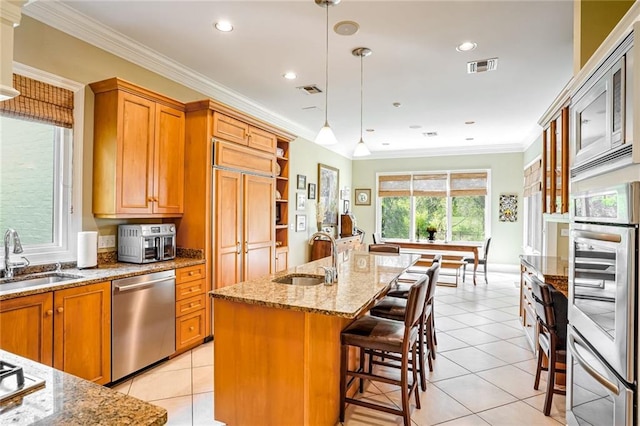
(533, 208)
(37, 189)
(452, 202)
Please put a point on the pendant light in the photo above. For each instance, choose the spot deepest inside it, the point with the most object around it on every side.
(361, 149)
(326, 136)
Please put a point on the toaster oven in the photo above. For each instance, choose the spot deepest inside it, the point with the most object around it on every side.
(146, 243)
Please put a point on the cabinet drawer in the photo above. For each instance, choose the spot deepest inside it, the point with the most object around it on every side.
(230, 129)
(189, 289)
(243, 158)
(190, 305)
(190, 273)
(189, 329)
(264, 141)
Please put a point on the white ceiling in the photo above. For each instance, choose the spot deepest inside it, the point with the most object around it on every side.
(414, 62)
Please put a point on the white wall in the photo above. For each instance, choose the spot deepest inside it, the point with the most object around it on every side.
(506, 178)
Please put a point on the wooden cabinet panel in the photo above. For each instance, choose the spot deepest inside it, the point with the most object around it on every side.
(168, 179)
(190, 273)
(189, 329)
(264, 141)
(228, 227)
(230, 129)
(138, 167)
(244, 159)
(26, 327)
(190, 305)
(189, 289)
(282, 259)
(82, 331)
(259, 231)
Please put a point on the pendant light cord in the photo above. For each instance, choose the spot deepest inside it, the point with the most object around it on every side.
(361, 91)
(326, 72)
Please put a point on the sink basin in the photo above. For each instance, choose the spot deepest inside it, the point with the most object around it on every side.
(27, 281)
(300, 279)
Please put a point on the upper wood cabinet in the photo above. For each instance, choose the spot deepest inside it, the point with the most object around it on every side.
(233, 130)
(555, 164)
(138, 159)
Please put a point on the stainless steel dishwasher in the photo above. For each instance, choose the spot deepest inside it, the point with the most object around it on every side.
(143, 321)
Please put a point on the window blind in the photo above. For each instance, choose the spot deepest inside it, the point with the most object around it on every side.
(394, 186)
(465, 184)
(430, 185)
(532, 179)
(40, 101)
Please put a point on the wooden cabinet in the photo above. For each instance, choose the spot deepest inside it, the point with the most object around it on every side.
(138, 162)
(68, 329)
(244, 243)
(555, 164)
(282, 259)
(282, 205)
(322, 248)
(191, 307)
(236, 131)
(82, 331)
(26, 327)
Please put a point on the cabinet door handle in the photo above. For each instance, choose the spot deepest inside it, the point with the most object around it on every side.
(49, 312)
(191, 273)
(246, 247)
(150, 199)
(191, 328)
(60, 309)
(238, 247)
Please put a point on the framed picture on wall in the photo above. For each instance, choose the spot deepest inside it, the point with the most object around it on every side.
(301, 222)
(363, 197)
(302, 182)
(328, 193)
(301, 201)
(311, 193)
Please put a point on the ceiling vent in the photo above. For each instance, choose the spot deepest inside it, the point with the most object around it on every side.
(482, 66)
(311, 89)
(430, 134)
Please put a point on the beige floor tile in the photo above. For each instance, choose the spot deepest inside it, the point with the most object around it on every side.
(161, 385)
(529, 365)
(447, 342)
(506, 351)
(473, 359)
(445, 309)
(472, 420)
(501, 330)
(202, 355)
(472, 306)
(437, 407)
(202, 379)
(203, 410)
(475, 393)
(516, 413)
(522, 342)
(471, 319)
(558, 405)
(448, 324)
(497, 316)
(472, 336)
(444, 368)
(178, 363)
(178, 410)
(513, 380)
(362, 416)
(123, 387)
(498, 302)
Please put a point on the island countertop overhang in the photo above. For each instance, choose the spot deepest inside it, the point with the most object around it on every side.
(362, 277)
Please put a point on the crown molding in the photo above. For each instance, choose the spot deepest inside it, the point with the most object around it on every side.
(66, 19)
(444, 151)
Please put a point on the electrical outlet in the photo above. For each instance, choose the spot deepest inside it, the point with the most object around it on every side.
(106, 241)
(292, 227)
(564, 232)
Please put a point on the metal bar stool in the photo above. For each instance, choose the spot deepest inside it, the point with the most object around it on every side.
(381, 334)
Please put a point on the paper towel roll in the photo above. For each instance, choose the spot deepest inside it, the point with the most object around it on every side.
(87, 249)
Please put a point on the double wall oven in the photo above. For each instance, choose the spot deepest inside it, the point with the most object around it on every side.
(603, 308)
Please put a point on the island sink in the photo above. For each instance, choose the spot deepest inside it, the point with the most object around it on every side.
(300, 279)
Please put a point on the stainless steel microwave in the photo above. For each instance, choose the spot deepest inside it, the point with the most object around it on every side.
(146, 243)
(601, 115)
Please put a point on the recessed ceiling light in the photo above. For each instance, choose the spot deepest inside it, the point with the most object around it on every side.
(415, 126)
(370, 130)
(386, 143)
(430, 134)
(290, 75)
(224, 26)
(466, 46)
(397, 104)
(469, 139)
(469, 122)
(346, 28)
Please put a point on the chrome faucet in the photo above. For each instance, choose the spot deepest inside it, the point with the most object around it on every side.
(330, 273)
(17, 248)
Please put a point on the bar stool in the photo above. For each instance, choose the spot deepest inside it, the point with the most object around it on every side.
(381, 334)
(384, 248)
(394, 308)
(551, 309)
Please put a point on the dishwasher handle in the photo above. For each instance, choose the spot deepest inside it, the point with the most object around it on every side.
(122, 288)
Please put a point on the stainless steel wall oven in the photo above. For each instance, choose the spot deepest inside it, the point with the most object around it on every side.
(603, 280)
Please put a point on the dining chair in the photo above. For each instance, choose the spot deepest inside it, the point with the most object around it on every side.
(481, 261)
(384, 248)
(551, 309)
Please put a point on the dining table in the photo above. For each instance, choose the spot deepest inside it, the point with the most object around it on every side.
(446, 246)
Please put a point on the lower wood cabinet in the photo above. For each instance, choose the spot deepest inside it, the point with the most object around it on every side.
(68, 329)
(191, 300)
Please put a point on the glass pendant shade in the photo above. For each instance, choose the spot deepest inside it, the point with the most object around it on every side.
(361, 150)
(326, 136)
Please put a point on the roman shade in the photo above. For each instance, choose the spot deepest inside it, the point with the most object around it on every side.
(394, 186)
(532, 179)
(39, 101)
(436, 184)
(468, 184)
(430, 185)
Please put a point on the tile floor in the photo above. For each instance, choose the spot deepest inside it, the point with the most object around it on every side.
(483, 373)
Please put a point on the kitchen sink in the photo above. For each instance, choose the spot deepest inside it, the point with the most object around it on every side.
(300, 279)
(33, 280)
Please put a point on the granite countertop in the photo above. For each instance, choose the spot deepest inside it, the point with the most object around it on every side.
(361, 278)
(104, 272)
(69, 400)
(551, 269)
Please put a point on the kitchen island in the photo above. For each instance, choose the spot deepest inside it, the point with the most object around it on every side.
(277, 346)
(69, 400)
